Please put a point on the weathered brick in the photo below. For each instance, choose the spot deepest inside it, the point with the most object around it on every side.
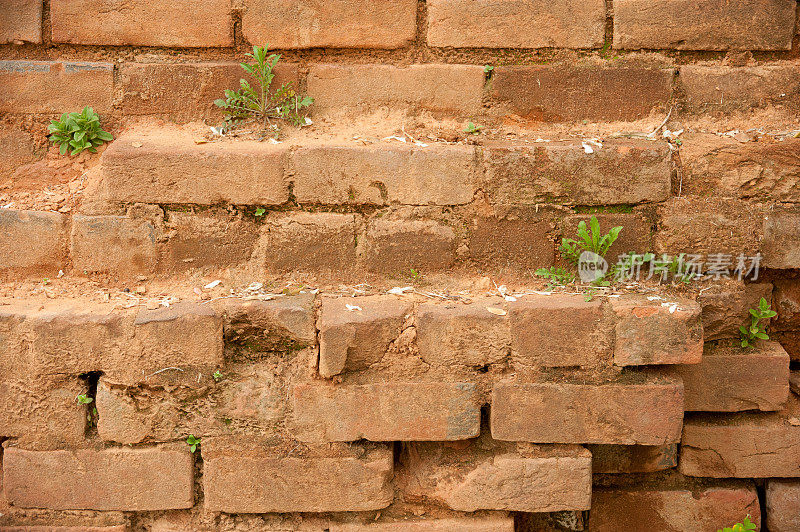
(566, 93)
(356, 479)
(787, 304)
(383, 174)
(18, 147)
(488, 475)
(307, 241)
(286, 321)
(55, 87)
(562, 172)
(445, 524)
(516, 23)
(66, 528)
(781, 247)
(435, 87)
(663, 331)
(32, 241)
(352, 340)
(704, 24)
(783, 505)
(21, 20)
(633, 458)
(408, 411)
(729, 88)
(395, 246)
(142, 23)
(742, 445)
(726, 309)
(109, 479)
(518, 239)
(167, 166)
(332, 24)
(673, 509)
(635, 410)
(185, 90)
(114, 244)
(539, 338)
(732, 379)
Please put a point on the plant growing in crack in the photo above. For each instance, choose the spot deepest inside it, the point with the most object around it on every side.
(757, 331)
(192, 442)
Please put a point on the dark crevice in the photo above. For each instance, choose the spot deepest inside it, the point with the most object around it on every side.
(91, 380)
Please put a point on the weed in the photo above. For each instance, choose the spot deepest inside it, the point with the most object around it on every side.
(78, 132)
(259, 103)
(747, 526)
(84, 399)
(556, 275)
(260, 211)
(592, 241)
(473, 129)
(756, 330)
(414, 276)
(218, 376)
(192, 442)
(488, 69)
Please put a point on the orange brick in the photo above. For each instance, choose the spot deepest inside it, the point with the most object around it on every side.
(31, 241)
(115, 244)
(781, 246)
(21, 20)
(616, 459)
(396, 246)
(142, 23)
(711, 87)
(447, 524)
(725, 310)
(786, 304)
(517, 239)
(783, 505)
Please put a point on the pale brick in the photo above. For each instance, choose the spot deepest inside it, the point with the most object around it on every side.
(781, 246)
(673, 509)
(408, 411)
(142, 23)
(495, 476)
(55, 87)
(332, 24)
(635, 410)
(352, 340)
(663, 331)
(32, 241)
(783, 505)
(539, 338)
(742, 445)
(446, 524)
(167, 166)
(562, 172)
(307, 241)
(567, 93)
(435, 87)
(109, 479)
(383, 174)
(113, 244)
(516, 23)
(520, 238)
(617, 459)
(727, 309)
(396, 246)
(704, 24)
(21, 20)
(334, 482)
(731, 378)
(728, 88)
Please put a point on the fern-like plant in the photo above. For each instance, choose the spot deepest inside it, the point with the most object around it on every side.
(260, 102)
(78, 132)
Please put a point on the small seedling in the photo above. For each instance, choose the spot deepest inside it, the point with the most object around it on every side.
(218, 376)
(488, 69)
(84, 399)
(192, 442)
(593, 241)
(78, 132)
(747, 526)
(756, 330)
(260, 211)
(473, 129)
(556, 275)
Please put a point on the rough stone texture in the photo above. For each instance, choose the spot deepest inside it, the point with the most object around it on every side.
(307, 241)
(447, 524)
(636, 235)
(567, 93)
(332, 24)
(113, 244)
(673, 509)
(18, 148)
(664, 331)
(726, 308)
(109, 479)
(451, 334)
(711, 87)
(647, 412)
(32, 241)
(52, 87)
(352, 340)
(539, 338)
(56, 528)
(405, 411)
(704, 24)
(167, 166)
(781, 246)
(395, 246)
(495, 476)
(783, 505)
(185, 91)
(383, 174)
(356, 479)
(633, 458)
(21, 20)
(435, 87)
(517, 239)
(732, 379)
(561, 172)
(742, 445)
(142, 23)
(786, 302)
(516, 23)
(722, 166)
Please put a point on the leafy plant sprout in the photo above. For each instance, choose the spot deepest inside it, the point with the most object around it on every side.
(746, 526)
(591, 239)
(192, 442)
(756, 331)
(83, 399)
(78, 132)
(473, 129)
(218, 376)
